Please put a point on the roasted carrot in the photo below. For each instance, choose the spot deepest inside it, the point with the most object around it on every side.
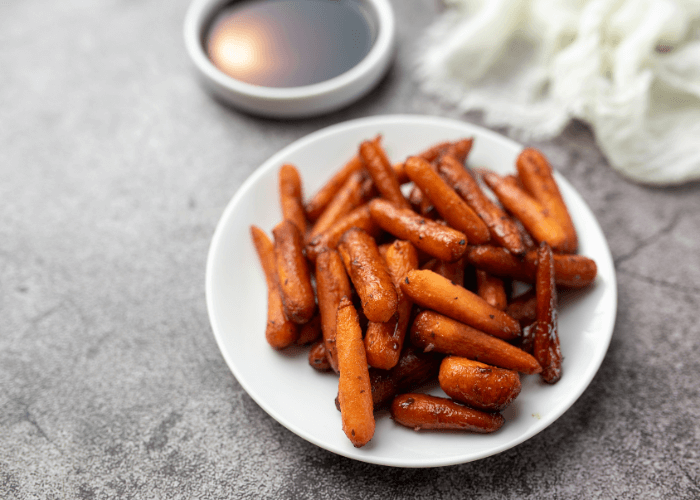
(533, 215)
(328, 240)
(354, 390)
(279, 331)
(318, 358)
(294, 276)
(369, 274)
(332, 285)
(380, 169)
(523, 308)
(446, 201)
(478, 385)
(291, 197)
(571, 271)
(318, 203)
(546, 348)
(310, 331)
(384, 341)
(432, 291)
(429, 236)
(491, 289)
(423, 411)
(413, 369)
(535, 173)
(352, 194)
(502, 228)
(459, 150)
(453, 271)
(433, 331)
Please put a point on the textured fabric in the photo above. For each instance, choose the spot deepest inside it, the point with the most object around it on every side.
(630, 69)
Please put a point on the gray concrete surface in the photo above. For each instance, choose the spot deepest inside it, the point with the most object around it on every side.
(114, 169)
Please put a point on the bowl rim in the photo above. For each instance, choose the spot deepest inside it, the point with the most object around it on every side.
(199, 15)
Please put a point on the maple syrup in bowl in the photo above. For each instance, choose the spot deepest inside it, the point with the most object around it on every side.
(290, 58)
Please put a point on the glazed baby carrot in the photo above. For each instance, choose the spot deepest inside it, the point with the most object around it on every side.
(432, 291)
(491, 289)
(354, 390)
(458, 150)
(382, 173)
(502, 228)
(571, 271)
(352, 194)
(429, 236)
(291, 197)
(294, 276)
(523, 308)
(433, 331)
(318, 359)
(384, 341)
(369, 274)
(535, 173)
(446, 201)
(546, 348)
(309, 332)
(423, 411)
(478, 385)
(420, 203)
(453, 271)
(359, 217)
(332, 285)
(318, 203)
(533, 215)
(413, 369)
(433, 152)
(279, 331)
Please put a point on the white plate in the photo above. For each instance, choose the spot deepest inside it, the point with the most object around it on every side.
(302, 399)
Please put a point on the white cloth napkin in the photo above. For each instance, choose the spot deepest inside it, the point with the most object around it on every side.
(629, 68)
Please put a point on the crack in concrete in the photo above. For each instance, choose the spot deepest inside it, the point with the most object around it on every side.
(27, 416)
(641, 245)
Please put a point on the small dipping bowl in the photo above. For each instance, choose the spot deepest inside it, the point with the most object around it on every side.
(291, 101)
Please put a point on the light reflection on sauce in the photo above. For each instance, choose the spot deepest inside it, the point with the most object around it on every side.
(289, 43)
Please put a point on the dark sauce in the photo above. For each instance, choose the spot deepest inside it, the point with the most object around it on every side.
(289, 43)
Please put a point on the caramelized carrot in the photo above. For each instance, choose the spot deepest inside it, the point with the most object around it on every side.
(279, 331)
(446, 201)
(382, 173)
(432, 291)
(502, 228)
(433, 331)
(535, 173)
(294, 276)
(478, 385)
(422, 411)
(384, 341)
(546, 349)
(354, 390)
(369, 275)
(332, 285)
(534, 216)
(291, 197)
(429, 236)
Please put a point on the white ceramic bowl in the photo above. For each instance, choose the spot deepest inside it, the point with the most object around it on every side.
(291, 102)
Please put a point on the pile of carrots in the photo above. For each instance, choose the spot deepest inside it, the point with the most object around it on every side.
(392, 291)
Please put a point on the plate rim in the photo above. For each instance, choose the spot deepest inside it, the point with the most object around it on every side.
(384, 120)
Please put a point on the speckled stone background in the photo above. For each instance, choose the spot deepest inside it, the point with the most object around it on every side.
(114, 169)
